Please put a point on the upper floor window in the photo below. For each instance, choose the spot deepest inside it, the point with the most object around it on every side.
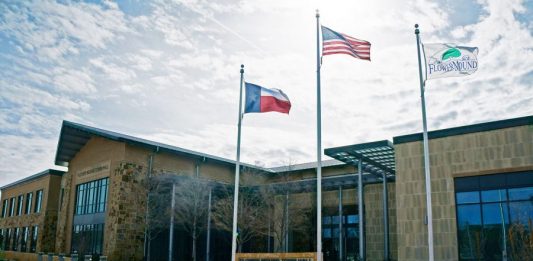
(4, 208)
(91, 197)
(38, 201)
(12, 207)
(19, 205)
(29, 200)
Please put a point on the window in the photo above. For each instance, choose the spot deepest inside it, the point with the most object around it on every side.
(29, 199)
(33, 239)
(12, 207)
(24, 239)
(2, 238)
(88, 239)
(331, 233)
(16, 238)
(491, 210)
(91, 197)
(4, 208)
(38, 201)
(7, 239)
(19, 205)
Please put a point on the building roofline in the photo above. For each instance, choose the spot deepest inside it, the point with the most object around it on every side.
(306, 166)
(479, 127)
(74, 136)
(34, 177)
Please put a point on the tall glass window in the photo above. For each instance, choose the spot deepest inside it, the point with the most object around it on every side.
(91, 197)
(12, 207)
(16, 238)
(88, 239)
(19, 205)
(4, 208)
(3, 234)
(24, 239)
(494, 215)
(331, 233)
(38, 201)
(29, 198)
(7, 239)
(33, 239)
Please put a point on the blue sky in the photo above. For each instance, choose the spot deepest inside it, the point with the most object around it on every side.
(169, 71)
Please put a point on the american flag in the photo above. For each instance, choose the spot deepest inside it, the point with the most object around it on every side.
(334, 43)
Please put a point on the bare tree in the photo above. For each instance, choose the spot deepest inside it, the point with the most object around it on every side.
(521, 240)
(190, 211)
(286, 210)
(250, 212)
(158, 207)
(264, 209)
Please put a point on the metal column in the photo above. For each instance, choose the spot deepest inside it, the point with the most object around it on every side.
(386, 255)
(340, 225)
(361, 214)
(208, 237)
(287, 222)
(171, 234)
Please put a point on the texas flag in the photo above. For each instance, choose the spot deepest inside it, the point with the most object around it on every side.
(260, 99)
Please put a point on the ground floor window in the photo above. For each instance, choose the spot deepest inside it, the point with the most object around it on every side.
(2, 238)
(495, 216)
(16, 238)
(24, 239)
(7, 239)
(88, 239)
(336, 239)
(33, 239)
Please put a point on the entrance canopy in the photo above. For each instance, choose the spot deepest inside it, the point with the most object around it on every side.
(376, 157)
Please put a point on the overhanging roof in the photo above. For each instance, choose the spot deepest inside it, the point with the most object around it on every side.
(376, 157)
(74, 136)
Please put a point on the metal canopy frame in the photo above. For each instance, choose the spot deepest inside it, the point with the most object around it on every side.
(377, 159)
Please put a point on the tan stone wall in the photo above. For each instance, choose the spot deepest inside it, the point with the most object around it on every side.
(94, 161)
(479, 153)
(375, 243)
(126, 213)
(45, 219)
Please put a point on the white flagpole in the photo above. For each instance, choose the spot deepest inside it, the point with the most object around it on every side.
(237, 173)
(318, 147)
(426, 152)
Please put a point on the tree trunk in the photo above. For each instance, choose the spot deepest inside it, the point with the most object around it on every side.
(194, 246)
(148, 248)
(194, 240)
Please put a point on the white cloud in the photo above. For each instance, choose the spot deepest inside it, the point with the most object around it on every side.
(74, 81)
(175, 67)
(113, 71)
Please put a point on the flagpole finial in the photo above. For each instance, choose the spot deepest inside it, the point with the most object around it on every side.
(317, 14)
(242, 68)
(416, 29)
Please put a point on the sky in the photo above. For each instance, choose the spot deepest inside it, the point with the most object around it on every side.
(168, 71)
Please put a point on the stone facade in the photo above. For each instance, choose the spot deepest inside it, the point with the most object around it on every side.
(49, 183)
(478, 153)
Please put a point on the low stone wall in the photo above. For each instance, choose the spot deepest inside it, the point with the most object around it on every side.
(21, 256)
